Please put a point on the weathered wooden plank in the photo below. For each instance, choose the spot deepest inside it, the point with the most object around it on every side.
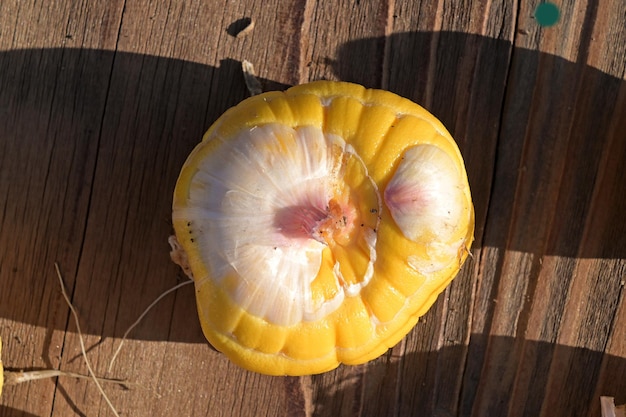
(52, 101)
(541, 290)
(460, 63)
(159, 104)
(326, 27)
(534, 325)
(605, 238)
(424, 373)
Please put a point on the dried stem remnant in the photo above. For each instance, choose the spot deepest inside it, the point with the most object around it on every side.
(252, 82)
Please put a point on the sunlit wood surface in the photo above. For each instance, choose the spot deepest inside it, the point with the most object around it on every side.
(101, 101)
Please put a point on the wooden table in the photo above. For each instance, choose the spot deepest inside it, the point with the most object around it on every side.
(101, 101)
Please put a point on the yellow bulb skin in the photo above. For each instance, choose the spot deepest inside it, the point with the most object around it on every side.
(408, 273)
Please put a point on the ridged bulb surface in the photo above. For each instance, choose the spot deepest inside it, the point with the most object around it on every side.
(319, 224)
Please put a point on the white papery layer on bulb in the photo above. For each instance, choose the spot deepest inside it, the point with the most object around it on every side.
(234, 199)
(426, 200)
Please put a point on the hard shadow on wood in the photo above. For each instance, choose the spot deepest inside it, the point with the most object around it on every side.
(10, 411)
(541, 136)
(94, 140)
(552, 380)
(77, 115)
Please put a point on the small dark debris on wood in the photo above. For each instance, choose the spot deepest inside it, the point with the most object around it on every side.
(240, 27)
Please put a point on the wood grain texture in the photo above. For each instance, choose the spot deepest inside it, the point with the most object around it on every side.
(101, 102)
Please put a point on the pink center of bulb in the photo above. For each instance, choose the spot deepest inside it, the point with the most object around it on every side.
(309, 222)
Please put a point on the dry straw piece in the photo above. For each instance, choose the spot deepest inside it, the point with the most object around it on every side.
(319, 224)
(18, 377)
